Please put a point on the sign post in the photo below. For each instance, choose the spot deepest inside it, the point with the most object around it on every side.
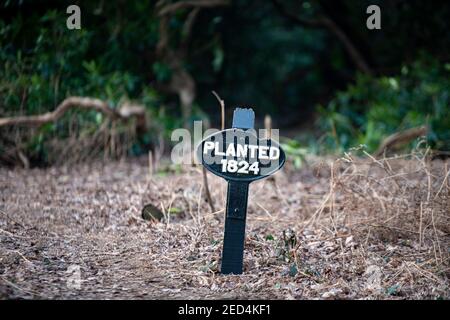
(240, 157)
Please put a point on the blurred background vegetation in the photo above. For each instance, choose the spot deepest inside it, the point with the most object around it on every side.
(328, 82)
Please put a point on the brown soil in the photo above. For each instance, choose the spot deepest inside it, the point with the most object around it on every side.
(343, 229)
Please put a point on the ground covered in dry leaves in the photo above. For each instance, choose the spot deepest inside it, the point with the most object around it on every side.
(347, 228)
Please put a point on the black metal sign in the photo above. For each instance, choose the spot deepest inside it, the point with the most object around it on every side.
(240, 157)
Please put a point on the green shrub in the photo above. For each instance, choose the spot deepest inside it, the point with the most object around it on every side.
(374, 107)
(42, 63)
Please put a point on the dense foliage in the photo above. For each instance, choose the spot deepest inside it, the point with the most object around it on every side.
(43, 62)
(372, 108)
(251, 52)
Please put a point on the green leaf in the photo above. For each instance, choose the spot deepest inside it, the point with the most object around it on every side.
(269, 237)
(175, 210)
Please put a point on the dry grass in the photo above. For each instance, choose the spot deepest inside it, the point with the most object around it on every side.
(349, 228)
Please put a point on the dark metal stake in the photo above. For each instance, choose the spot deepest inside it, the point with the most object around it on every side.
(234, 237)
(237, 196)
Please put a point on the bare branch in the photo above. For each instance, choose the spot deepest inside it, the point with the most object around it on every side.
(182, 82)
(309, 23)
(125, 112)
(207, 192)
(351, 49)
(324, 21)
(170, 8)
(268, 126)
(204, 173)
(400, 138)
(188, 24)
(222, 109)
(163, 41)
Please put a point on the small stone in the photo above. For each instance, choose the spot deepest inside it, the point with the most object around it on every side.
(349, 241)
(373, 274)
(152, 213)
(331, 293)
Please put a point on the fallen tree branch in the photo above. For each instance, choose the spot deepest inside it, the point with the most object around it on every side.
(400, 138)
(125, 112)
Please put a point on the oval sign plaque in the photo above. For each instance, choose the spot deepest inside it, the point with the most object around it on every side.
(239, 155)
